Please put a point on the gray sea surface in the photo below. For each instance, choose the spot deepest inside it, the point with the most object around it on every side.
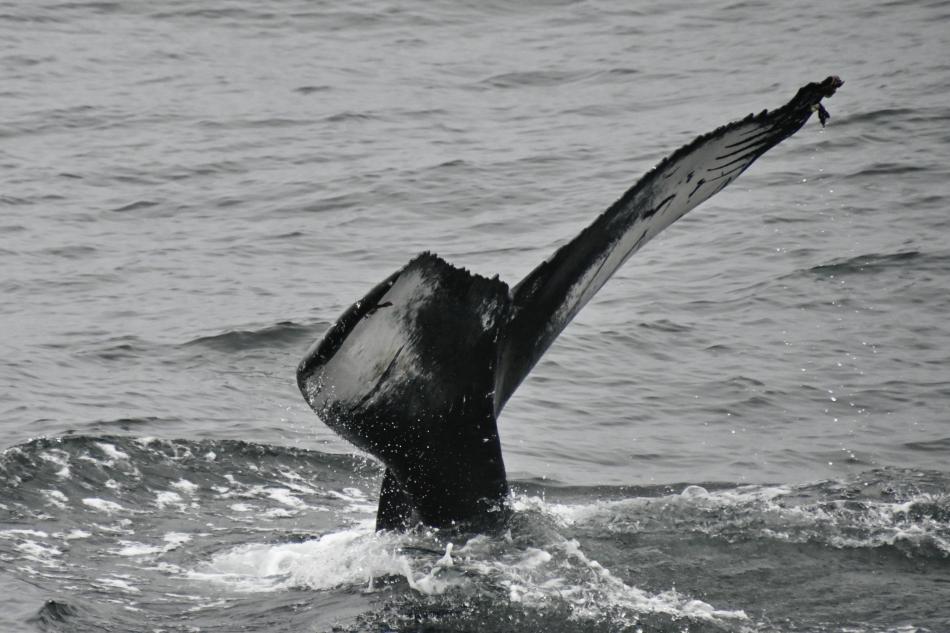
(746, 430)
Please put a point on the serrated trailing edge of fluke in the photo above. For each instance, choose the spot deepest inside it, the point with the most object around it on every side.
(808, 98)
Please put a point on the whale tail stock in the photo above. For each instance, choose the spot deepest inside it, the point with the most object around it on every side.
(417, 371)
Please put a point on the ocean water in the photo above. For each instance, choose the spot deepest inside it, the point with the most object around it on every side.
(746, 430)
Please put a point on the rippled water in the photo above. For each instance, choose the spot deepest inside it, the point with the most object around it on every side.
(193, 192)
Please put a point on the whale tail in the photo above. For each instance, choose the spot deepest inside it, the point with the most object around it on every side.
(417, 371)
(407, 374)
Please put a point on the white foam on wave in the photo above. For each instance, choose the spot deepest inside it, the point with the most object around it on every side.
(74, 534)
(28, 543)
(282, 495)
(122, 526)
(167, 497)
(21, 532)
(349, 557)
(185, 486)
(111, 451)
(356, 499)
(60, 458)
(103, 505)
(280, 513)
(841, 523)
(176, 539)
(562, 572)
(617, 509)
(285, 497)
(130, 548)
(297, 482)
(292, 497)
(56, 498)
(534, 577)
(172, 540)
(120, 583)
(876, 523)
(38, 552)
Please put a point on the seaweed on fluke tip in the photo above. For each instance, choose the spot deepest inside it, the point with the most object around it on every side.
(827, 88)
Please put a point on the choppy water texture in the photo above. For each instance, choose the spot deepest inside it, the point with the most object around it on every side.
(745, 431)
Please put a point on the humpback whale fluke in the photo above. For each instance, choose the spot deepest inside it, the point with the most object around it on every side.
(417, 371)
